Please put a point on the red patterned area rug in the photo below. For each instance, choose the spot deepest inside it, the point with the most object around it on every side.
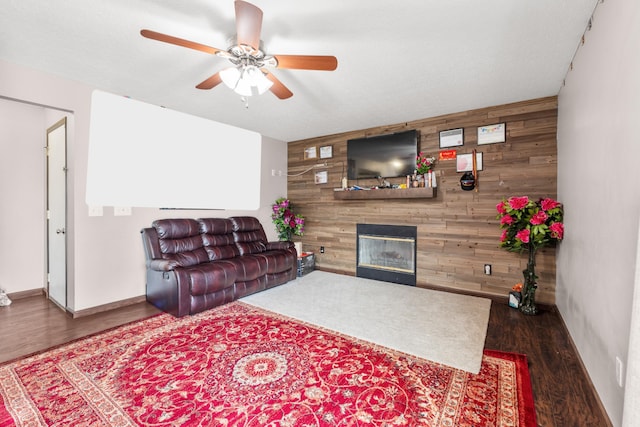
(239, 365)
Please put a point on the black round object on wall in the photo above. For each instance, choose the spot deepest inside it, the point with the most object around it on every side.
(468, 181)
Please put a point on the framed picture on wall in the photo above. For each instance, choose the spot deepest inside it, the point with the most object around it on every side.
(452, 138)
(491, 134)
(464, 162)
(310, 153)
(326, 152)
(321, 177)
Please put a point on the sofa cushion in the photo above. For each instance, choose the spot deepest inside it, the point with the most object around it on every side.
(180, 241)
(279, 260)
(217, 237)
(250, 248)
(248, 235)
(248, 267)
(208, 277)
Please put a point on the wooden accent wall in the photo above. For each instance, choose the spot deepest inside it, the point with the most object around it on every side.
(458, 232)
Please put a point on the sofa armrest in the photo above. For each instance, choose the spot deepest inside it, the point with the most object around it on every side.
(279, 245)
(162, 264)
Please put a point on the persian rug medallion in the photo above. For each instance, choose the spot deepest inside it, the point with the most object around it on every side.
(238, 365)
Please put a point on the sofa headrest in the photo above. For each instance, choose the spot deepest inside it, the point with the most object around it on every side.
(180, 241)
(176, 228)
(216, 225)
(217, 235)
(248, 235)
(245, 223)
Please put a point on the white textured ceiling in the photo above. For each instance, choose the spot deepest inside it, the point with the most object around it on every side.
(397, 61)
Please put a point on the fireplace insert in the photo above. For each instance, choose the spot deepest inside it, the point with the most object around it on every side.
(387, 253)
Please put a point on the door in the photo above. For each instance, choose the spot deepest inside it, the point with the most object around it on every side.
(57, 212)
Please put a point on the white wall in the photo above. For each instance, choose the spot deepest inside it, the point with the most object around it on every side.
(22, 212)
(631, 414)
(598, 154)
(274, 158)
(106, 260)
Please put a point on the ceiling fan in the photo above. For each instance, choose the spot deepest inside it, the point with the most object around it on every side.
(249, 72)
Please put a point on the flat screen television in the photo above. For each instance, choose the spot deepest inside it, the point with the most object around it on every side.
(388, 156)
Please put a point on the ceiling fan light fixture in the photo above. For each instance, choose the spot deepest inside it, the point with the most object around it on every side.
(244, 78)
(264, 84)
(230, 77)
(257, 79)
(243, 87)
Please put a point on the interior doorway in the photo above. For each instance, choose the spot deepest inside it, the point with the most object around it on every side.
(57, 212)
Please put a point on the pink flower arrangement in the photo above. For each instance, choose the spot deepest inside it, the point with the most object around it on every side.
(557, 230)
(287, 223)
(528, 224)
(539, 218)
(523, 235)
(518, 203)
(424, 163)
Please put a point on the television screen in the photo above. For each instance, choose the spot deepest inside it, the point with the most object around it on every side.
(388, 156)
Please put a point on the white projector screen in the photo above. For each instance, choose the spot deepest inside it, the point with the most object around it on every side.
(141, 155)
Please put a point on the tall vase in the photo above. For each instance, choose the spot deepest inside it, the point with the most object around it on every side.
(528, 303)
(284, 232)
(285, 235)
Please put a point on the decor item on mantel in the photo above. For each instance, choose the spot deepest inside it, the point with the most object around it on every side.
(287, 223)
(528, 226)
(424, 165)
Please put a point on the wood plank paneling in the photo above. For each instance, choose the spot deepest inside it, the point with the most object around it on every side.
(457, 230)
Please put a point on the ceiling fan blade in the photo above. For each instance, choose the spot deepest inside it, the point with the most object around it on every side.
(211, 82)
(307, 62)
(278, 89)
(178, 41)
(248, 24)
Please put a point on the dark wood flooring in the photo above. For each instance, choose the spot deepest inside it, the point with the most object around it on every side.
(563, 393)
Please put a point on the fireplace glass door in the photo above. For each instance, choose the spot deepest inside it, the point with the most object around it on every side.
(387, 253)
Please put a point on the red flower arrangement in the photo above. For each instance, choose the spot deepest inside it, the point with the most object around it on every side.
(528, 226)
(424, 163)
(287, 223)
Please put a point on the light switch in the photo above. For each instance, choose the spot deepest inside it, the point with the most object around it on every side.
(96, 211)
(122, 210)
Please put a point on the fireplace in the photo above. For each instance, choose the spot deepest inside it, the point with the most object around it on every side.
(387, 253)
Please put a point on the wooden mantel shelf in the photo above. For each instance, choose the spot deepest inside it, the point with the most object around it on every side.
(387, 193)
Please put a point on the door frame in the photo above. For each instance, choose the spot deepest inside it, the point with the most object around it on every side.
(60, 123)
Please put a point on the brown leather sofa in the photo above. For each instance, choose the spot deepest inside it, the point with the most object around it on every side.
(197, 264)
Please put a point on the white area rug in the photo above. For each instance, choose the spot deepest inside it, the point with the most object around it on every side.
(438, 326)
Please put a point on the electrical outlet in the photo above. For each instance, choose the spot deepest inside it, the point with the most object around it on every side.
(487, 269)
(619, 371)
(321, 249)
